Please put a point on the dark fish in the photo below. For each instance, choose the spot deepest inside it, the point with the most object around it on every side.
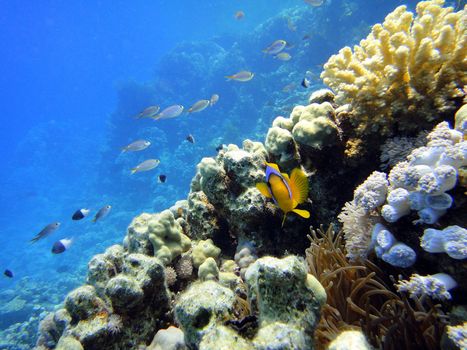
(46, 231)
(80, 214)
(306, 37)
(102, 213)
(8, 273)
(62, 245)
(162, 178)
(218, 148)
(190, 138)
(306, 83)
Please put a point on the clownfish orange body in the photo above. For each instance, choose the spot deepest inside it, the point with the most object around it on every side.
(286, 192)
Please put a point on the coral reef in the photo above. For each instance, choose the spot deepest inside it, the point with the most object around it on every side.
(99, 317)
(360, 296)
(171, 338)
(427, 183)
(220, 266)
(287, 312)
(287, 299)
(405, 76)
(350, 340)
(436, 286)
(158, 235)
(458, 334)
(201, 307)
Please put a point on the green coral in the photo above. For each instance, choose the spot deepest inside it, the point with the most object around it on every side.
(204, 249)
(280, 142)
(281, 336)
(313, 126)
(282, 291)
(159, 235)
(69, 343)
(224, 338)
(201, 307)
(208, 270)
(310, 126)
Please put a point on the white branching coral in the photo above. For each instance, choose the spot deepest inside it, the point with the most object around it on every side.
(435, 286)
(357, 225)
(406, 72)
(458, 334)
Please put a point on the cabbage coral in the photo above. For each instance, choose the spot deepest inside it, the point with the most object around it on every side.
(406, 73)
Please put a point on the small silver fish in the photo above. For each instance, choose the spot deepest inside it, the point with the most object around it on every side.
(145, 166)
(283, 56)
(199, 106)
(242, 76)
(102, 213)
(170, 112)
(148, 112)
(46, 231)
(276, 47)
(314, 3)
(136, 146)
(214, 99)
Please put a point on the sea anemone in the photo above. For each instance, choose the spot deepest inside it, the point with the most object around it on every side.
(114, 324)
(360, 296)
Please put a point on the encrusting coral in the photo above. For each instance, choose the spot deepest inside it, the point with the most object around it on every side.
(405, 75)
(157, 234)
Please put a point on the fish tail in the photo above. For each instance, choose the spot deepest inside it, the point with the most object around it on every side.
(228, 77)
(303, 213)
(94, 220)
(133, 171)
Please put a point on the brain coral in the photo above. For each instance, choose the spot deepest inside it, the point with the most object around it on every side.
(406, 73)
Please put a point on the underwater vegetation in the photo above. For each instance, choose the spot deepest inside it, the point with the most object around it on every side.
(379, 159)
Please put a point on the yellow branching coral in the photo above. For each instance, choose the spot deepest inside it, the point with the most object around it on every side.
(406, 72)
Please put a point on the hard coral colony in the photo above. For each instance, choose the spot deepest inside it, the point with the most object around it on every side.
(402, 80)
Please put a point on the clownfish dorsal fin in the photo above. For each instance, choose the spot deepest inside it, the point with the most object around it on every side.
(263, 188)
(274, 166)
(285, 176)
(298, 185)
(303, 213)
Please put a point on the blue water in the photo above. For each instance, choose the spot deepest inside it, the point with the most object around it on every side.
(72, 75)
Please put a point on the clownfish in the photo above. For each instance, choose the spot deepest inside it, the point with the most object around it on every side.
(286, 192)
